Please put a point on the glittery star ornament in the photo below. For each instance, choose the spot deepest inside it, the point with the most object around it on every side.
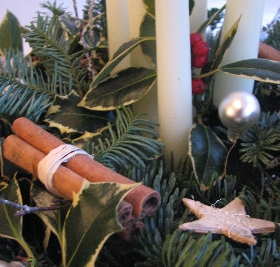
(231, 221)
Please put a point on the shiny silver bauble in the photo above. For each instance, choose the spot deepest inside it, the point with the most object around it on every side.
(239, 111)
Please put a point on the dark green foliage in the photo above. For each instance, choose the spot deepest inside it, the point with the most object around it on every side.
(130, 146)
(54, 47)
(273, 38)
(262, 139)
(22, 87)
(131, 141)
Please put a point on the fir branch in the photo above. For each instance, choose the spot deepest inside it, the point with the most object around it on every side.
(23, 91)
(261, 139)
(131, 143)
(53, 45)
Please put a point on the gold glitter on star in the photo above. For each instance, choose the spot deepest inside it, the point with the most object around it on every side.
(231, 221)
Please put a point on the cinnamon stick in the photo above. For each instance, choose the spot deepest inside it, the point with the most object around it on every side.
(145, 201)
(268, 52)
(27, 157)
(66, 181)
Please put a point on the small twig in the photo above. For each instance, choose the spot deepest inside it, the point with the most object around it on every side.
(77, 20)
(226, 162)
(90, 20)
(26, 209)
(91, 69)
(83, 42)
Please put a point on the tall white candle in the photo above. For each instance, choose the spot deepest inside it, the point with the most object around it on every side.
(174, 75)
(198, 15)
(118, 28)
(244, 46)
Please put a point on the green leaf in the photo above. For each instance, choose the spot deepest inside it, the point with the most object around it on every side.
(121, 53)
(223, 48)
(67, 117)
(207, 152)
(258, 69)
(208, 22)
(191, 5)
(90, 221)
(120, 89)
(11, 225)
(150, 7)
(10, 33)
(53, 219)
(148, 29)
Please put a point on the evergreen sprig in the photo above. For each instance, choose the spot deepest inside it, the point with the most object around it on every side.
(131, 141)
(55, 47)
(261, 139)
(23, 91)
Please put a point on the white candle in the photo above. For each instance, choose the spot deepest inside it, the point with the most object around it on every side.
(244, 46)
(118, 28)
(174, 76)
(198, 15)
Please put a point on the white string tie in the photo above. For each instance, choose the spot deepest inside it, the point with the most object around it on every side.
(48, 166)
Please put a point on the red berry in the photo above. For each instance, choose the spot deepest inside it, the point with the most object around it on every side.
(195, 37)
(201, 48)
(197, 86)
(199, 61)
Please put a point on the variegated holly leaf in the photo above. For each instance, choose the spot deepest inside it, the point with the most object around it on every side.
(208, 154)
(208, 22)
(11, 225)
(150, 7)
(10, 33)
(223, 48)
(65, 115)
(120, 54)
(53, 219)
(263, 70)
(120, 89)
(90, 221)
(148, 28)
(90, 138)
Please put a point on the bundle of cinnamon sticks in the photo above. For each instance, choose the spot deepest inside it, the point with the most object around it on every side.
(268, 52)
(30, 144)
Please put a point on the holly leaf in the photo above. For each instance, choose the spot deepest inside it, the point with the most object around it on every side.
(208, 22)
(148, 29)
(120, 54)
(150, 7)
(191, 5)
(120, 89)
(90, 221)
(65, 115)
(11, 225)
(207, 153)
(10, 33)
(90, 138)
(223, 48)
(53, 219)
(263, 70)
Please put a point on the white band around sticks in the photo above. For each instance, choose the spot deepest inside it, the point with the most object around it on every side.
(48, 166)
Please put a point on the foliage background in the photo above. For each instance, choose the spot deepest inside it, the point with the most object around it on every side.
(255, 179)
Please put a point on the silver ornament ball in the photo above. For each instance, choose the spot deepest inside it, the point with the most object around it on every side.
(239, 111)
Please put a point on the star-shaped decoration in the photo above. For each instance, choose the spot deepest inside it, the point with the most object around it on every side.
(231, 221)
